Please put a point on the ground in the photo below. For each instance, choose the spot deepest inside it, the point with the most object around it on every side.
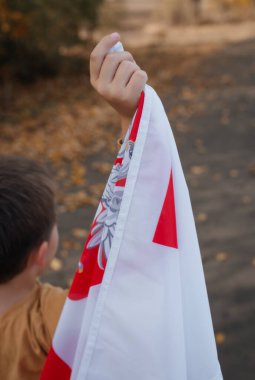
(208, 90)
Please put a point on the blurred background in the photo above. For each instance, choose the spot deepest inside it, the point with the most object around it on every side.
(200, 58)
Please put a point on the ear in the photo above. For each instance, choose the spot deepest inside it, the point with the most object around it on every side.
(41, 255)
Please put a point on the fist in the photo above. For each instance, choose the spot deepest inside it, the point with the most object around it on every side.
(116, 76)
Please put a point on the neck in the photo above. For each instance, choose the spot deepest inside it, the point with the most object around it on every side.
(16, 289)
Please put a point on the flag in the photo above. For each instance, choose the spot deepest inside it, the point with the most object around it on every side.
(138, 305)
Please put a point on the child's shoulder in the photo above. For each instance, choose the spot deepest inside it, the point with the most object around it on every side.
(44, 302)
(27, 329)
(51, 300)
(50, 294)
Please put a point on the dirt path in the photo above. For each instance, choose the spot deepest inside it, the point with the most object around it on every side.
(216, 135)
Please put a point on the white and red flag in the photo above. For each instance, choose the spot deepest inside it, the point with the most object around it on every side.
(138, 306)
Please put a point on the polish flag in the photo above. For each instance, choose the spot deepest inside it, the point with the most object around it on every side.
(138, 307)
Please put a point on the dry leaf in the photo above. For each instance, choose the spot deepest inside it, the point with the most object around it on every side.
(102, 167)
(198, 170)
(77, 246)
(61, 209)
(202, 217)
(217, 177)
(183, 128)
(67, 244)
(79, 233)
(73, 201)
(97, 189)
(251, 170)
(225, 119)
(200, 146)
(234, 173)
(64, 253)
(187, 93)
(246, 199)
(221, 256)
(78, 174)
(71, 245)
(220, 337)
(227, 79)
(56, 264)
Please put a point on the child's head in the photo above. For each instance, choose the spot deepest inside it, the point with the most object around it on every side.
(27, 216)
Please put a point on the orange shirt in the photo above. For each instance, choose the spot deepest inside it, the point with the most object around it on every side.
(26, 332)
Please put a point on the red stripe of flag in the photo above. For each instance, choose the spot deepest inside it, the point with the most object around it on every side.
(121, 182)
(166, 231)
(138, 115)
(55, 368)
(118, 160)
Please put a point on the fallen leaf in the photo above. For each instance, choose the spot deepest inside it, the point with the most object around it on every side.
(79, 233)
(225, 119)
(199, 143)
(246, 199)
(77, 246)
(97, 189)
(202, 217)
(72, 201)
(220, 337)
(227, 79)
(71, 245)
(187, 93)
(217, 177)
(56, 264)
(64, 253)
(183, 128)
(251, 170)
(234, 173)
(221, 256)
(78, 174)
(198, 170)
(67, 244)
(102, 167)
(61, 209)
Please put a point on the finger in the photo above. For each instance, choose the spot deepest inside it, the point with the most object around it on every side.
(99, 52)
(124, 73)
(111, 64)
(137, 82)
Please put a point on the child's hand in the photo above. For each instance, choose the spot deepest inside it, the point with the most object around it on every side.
(116, 77)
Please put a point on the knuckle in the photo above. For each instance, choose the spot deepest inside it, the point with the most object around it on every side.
(93, 56)
(137, 68)
(142, 74)
(119, 57)
(131, 66)
(126, 64)
(128, 55)
(110, 57)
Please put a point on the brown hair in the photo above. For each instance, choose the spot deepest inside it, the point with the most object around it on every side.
(27, 212)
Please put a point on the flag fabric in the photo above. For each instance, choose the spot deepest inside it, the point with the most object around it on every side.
(138, 305)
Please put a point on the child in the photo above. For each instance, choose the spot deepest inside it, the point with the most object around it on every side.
(29, 310)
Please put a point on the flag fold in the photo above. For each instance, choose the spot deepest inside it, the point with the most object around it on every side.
(138, 305)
